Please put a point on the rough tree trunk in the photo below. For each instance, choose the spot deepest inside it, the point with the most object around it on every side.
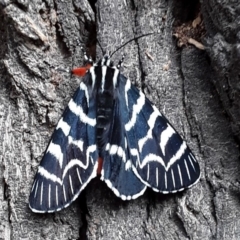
(198, 90)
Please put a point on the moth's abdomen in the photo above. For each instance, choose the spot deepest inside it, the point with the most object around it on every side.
(105, 104)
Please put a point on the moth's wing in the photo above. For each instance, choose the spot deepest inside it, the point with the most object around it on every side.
(161, 159)
(70, 160)
(117, 165)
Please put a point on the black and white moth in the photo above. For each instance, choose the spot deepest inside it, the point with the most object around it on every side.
(110, 128)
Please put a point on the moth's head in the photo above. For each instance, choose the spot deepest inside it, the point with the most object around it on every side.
(105, 61)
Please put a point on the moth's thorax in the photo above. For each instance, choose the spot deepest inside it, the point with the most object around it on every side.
(104, 74)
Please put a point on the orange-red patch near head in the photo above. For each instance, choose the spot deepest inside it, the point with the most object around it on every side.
(81, 71)
(100, 163)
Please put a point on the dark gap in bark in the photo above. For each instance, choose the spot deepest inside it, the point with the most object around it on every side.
(151, 201)
(22, 5)
(92, 4)
(84, 212)
(186, 10)
(6, 197)
(60, 41)
(188, 27)
(132, 4)
(92, 41)
(3, 37)
(143, 74)
(88, 32)
(5, 190)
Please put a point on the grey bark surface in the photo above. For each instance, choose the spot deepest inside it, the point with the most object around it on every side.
(198, 91)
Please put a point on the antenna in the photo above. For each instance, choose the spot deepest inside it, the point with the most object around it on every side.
(133, 39)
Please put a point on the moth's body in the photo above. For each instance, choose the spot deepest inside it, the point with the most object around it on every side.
(110, 119)
(105, 102)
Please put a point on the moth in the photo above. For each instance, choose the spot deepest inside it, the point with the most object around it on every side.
(110, 128)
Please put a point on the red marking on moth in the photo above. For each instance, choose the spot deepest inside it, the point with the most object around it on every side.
(100, 163)
(81, 71)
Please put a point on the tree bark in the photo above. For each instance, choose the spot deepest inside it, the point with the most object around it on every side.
(197, 90)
